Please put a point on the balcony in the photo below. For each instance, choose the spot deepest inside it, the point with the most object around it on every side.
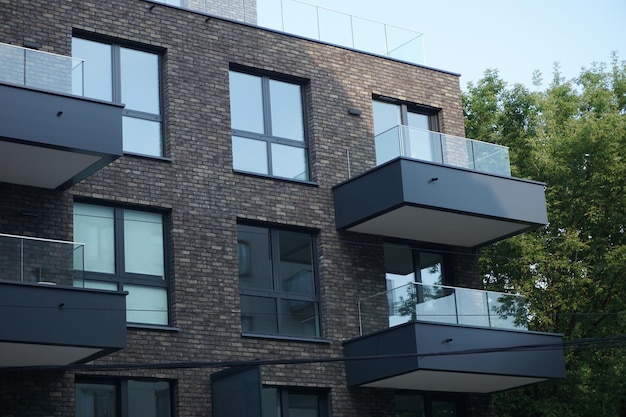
(48, 320)
(431, 187)
(50, 136)
(440, 338)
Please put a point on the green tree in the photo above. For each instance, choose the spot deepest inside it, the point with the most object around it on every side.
(572, 136)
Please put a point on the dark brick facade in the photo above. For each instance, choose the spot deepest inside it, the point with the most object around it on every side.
(195, 184)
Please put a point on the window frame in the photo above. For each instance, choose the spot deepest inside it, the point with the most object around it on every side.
(120, 277)
(116, 82)
(267, 135)
(429, 398)
(407, 107)
(278, 294)
(283, 397)
(120, 385)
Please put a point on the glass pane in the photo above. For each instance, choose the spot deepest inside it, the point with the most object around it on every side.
(400, 274)
(286, 110)
(289, 162)
(143, 243)
(96, 400)
(436, 303)
(250, 155)
(296, 263)
(139, 73)
(386, 116)
(149, 399)
(146, 304)
(270, 402)
(418, 120)
(255, 263)
(303, 405)
(93, 226)
(410, 405)
(431, 268)
(95, 285)
(299, 318)
(246, 102)
(97, 69)
(258, 315)
(142, 136)
(444, 409)
(472, 307)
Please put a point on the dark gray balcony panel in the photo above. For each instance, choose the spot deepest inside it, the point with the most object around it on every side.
(46, 324)
(435, 203)
(53, 140)
(453, 358)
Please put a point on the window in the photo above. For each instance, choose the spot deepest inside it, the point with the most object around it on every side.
(277, 282)
(124, 250)
(124, 75)
(418, 140)
(418, 405)
(124, 398)
(280, 402)
(267, 121)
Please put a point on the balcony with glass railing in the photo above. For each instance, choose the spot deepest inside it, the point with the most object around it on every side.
(426, 145)
(317, 23)
(42, 70)
(442, 304)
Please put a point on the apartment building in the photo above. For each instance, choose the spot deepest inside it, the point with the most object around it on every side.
(201, 216)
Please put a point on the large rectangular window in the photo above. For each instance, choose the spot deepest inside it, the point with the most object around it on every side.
(285, 402)
(125, 75)
(267, 120)
(123, 398)
(125, 250)
(277, 282)
(426, 405)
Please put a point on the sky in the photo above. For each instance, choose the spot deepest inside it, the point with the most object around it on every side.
(514, 37)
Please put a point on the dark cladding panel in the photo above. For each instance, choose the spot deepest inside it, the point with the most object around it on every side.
(237, 392)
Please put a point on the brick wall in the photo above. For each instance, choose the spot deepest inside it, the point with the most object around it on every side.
(205, 198)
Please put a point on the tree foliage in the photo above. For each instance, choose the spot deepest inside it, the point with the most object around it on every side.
(572, 136)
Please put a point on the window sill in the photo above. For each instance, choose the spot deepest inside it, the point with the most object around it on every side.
(292, 180)
(158, 327)
(287, 338)
(145, 156)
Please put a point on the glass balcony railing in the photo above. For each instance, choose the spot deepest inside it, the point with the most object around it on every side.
(32, 68)
(442, 304)
(318, 23)
(41, 261)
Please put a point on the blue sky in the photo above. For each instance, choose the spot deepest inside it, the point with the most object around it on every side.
(515, 37)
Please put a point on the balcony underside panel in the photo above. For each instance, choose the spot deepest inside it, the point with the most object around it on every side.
(429, 202)
(54, 141)
(453, 358)
(47, 324)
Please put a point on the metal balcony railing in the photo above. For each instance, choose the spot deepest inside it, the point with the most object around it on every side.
(41, 261)
(442, 304)
(37, 69)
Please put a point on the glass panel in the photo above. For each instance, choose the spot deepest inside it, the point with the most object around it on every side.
(444, 409)
(149, 399)
(250, 155)
(139, 73)
(146, 304)
(258, 315)
(143, 243)
(386, 116)
(303, 405)
(410, 405)
(472, 307)
(299, 318)
(435, 303)
(387, 145)
(96, 400)
(270, 402)
(431, 268)
(98, 77)
(246, 102)
(96, 285)
(286, 110)
(399, 272)
(255, 259)
(142, 136)
(93, 226)
(289, 162)
(296, 263)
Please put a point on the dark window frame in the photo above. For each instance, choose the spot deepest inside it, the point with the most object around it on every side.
(116, 84)
(120, 276)
(267, 135)
(283, 395)
(410, 107)
(429, 398)
(278, 293)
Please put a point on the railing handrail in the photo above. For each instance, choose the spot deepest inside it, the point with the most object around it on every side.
(42, 52)
(41, 239)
